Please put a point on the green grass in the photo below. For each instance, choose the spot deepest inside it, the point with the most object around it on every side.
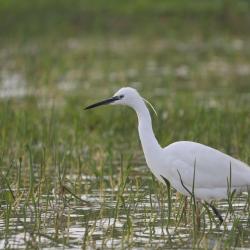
(76, 179)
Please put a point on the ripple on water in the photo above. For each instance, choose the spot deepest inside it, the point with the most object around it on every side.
(106, 222)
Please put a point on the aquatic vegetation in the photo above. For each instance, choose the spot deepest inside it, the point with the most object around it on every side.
(68, 179)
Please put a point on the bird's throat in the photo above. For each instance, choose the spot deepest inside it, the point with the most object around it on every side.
(151, 148)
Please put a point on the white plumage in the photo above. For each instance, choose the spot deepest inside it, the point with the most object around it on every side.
(215, 172)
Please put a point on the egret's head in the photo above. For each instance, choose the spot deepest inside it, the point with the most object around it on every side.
(124, 96)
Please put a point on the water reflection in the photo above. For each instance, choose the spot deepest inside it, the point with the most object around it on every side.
(134, 219)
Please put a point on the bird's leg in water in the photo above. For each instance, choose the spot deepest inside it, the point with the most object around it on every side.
(169, 197)
(216, 212)
(196, 204)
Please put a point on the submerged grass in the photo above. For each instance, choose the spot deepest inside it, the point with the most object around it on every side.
(74, 179)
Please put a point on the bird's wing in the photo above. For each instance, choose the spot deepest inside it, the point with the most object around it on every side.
(213, 169)
(200, 177)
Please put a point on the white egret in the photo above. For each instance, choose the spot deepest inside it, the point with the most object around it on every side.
(190, 167)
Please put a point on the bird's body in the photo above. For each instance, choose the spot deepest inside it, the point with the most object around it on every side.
(215, 172)
(190, 167)
(213, 168)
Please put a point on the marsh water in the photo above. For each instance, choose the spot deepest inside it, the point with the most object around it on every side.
(71, 179)
(130, 215)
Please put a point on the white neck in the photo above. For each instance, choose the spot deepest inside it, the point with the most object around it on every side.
(151, 148)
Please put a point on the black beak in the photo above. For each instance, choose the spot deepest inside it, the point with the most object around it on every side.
(104, 102)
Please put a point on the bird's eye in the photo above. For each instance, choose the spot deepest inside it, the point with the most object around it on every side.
(121, 96)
